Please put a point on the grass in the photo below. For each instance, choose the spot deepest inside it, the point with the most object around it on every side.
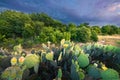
(110, 40)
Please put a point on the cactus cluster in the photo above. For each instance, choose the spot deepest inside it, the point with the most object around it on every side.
(68, 61)
(12, 73)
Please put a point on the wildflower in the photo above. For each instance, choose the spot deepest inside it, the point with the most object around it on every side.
(104, 67)
(65, 45)
(21, 59)
(14, 61)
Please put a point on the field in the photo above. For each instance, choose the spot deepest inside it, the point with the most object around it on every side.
(110, 40)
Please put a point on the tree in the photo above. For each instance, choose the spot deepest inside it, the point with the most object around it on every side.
(106, 29)
(84, 25)
(15, 21)
(48, 33)
(110, 29)
(28, 31)
(94, 36)
(38, 26)
(97, 29)
(83, 34)
(72, 29)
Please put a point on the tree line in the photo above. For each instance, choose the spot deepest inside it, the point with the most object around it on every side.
(18, 27)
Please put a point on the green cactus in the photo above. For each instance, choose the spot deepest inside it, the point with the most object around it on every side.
(76, 72)
(94, 72)
(110, 74)
(59, 75)
(49, 56)
(12, 73)
(83, 60)
(77, 50)
(81, 75)
(31, 60)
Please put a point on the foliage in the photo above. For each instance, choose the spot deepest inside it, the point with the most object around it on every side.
(94, 36)
(110, 29)
(83, 34)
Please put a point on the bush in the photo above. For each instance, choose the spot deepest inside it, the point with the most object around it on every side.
(83, 34)
(94, 36)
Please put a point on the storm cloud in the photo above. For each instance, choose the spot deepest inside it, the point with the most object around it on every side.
(95, 12)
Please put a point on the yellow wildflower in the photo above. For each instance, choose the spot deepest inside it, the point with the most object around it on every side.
(65, 45)
(13, 60)
(104, 67)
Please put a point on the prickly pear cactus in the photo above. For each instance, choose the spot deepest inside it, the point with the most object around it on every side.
(49, 56)
(31, 60)
(94, 72)
(83, 60)
(12, 73)
(81, 75)
(59, 75)
(77, 50)
(110, 74)
(76, 72)
(74, 68)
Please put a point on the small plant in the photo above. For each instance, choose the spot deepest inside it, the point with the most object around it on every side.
(13, 72)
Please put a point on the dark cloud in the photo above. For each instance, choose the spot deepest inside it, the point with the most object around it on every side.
(93, 11)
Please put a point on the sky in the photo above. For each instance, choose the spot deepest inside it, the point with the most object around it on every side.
(95, 12)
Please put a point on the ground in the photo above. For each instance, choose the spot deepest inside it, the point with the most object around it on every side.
(110, 40)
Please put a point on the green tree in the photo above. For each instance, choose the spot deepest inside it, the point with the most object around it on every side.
(15, 21)
(48, 33)
(83, 34)
(66, 35)
(94, 36)
(97, 29)
(106, 29)
(38, 26)
(72, 29)
(28, 31)
(84, 25)
(59, 35)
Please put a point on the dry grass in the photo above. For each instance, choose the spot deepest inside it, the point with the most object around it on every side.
(110, 40)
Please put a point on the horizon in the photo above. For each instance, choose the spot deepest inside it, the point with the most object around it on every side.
(94, 12)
